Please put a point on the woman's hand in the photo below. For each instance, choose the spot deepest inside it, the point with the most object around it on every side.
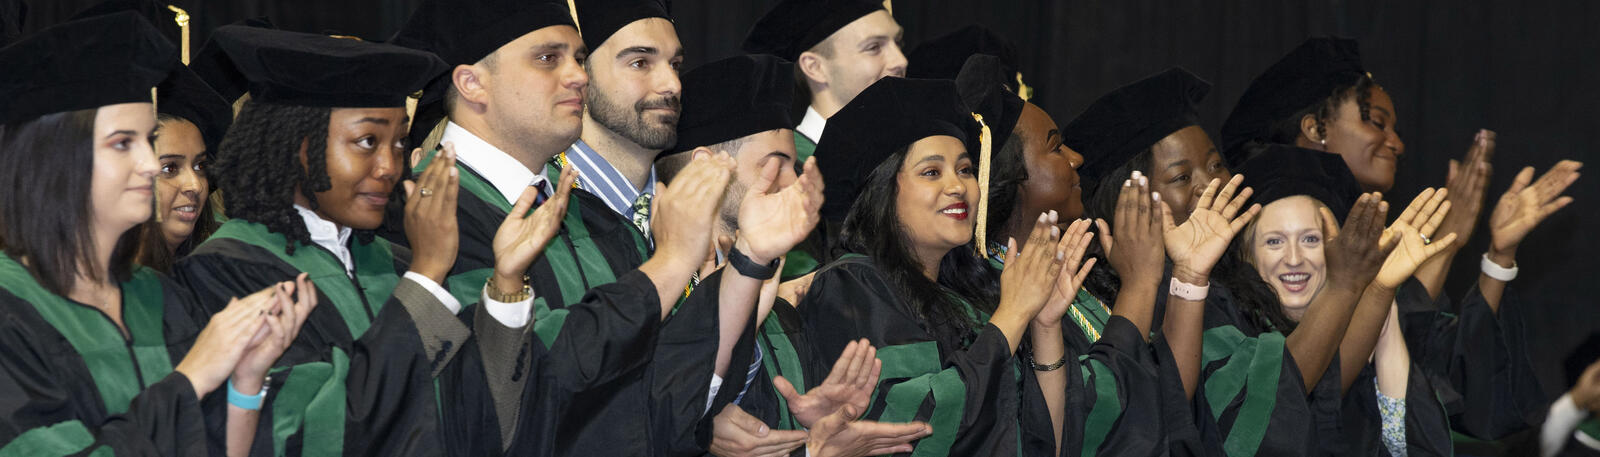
(773, 221)
(1073, 271)
(1137, 255)
(1524, 206)
(1356, 251)
(1467, 184)
(431, 216)
(292, 303)
(1195, 246)
(220, 345)
(850, 383)
(1412, 231)
(522, 237)
(1038, 262)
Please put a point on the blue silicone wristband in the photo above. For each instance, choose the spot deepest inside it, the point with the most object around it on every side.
(250, 402)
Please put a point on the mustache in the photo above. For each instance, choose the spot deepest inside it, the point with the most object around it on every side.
(674, 102)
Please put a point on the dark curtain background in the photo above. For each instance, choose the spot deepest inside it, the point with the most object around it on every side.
(1526, 69)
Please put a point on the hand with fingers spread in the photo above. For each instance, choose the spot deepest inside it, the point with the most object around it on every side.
(1073, 271)
(682, 219)
(1037, 262)
(523, 236)
(1195, 246)
(1467, 183)
(1140, 247)
(222, 343)
(735, 433)
(290, 303)
(1525, 205)
(1356, 250)
(771, 221)
(840, 435)
(850, 383)
(1412, 233)
(430, 216)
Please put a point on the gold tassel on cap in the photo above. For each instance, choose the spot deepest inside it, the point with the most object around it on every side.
(983, 185)
(1024, 91)
(183, 27)
(888, 5)
(572, 8)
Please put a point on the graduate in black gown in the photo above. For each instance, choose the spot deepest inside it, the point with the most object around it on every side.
(192, 119)
(1320, 97)
(910, 281)
(104, 356)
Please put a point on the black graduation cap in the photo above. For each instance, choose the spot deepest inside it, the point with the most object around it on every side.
(1287, 171)
(462, 32)
(733, 98)
(83, 64)
(1128, 120)
(214, 67)
(599, 19)
(164, 18)
(943, 57)
(982, 86)
(886, 117)
(185, 95)
(1308, 74)
(306, 69)
(13, 15)
(795, 26)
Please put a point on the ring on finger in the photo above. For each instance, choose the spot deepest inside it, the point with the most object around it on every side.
(425, 191)
(1425, 240)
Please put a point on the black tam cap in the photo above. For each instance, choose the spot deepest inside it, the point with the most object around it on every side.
(214, 67)
(982, 86)
(1130, 119)
(886, 117)
(159, 15)
(733, 98)
(83, 64)
(599, 19)
(1310, 73)
(1287, 171)
(795, 26)
(943, 57)
(462, 32)
(185, 95)
(13, 15)
(305, 69)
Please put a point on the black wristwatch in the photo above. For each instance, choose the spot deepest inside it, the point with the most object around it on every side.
(749, 268)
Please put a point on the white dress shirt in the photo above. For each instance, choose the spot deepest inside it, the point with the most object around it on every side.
(812, 124)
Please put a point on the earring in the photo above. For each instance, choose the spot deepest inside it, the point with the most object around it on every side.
(1324, 141)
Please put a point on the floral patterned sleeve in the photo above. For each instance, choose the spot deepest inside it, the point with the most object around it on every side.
(1393, 411)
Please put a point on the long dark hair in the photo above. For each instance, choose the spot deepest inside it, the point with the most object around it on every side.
(1287, 130)
(258, 166)
(43, 163)
(153, 252)
(873, 228)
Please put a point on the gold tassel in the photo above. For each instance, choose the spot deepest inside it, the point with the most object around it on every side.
(183, 27)
(888, 5)
(1023, 89)
(155, 206)
(983, 185)
(572, 7)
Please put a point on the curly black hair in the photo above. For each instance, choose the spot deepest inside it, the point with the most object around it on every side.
(258, 165)
(1287, 130)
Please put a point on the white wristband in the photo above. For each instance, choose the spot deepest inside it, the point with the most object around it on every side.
(1498, 272)
(1188, 291)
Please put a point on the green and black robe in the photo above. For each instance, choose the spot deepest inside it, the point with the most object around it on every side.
(75, 385)
(1251, 399)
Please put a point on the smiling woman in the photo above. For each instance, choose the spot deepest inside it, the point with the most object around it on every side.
(191, 120)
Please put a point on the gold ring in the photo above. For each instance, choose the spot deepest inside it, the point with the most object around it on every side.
(425, 191)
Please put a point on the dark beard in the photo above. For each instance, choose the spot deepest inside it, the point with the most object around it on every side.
(629, 122)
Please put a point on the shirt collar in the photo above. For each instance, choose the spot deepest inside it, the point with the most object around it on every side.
(327, 234)
(812, 124)
(599, 177)
(505, 173)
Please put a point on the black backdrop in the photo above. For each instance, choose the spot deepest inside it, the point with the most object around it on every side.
(1526, 69)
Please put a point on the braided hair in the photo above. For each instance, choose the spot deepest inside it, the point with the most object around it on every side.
(258, 166)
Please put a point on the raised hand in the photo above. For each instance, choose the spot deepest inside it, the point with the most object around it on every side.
(1467, 184)
(430, 216)
(735, 433)
(1195, 246)
(1037, 262)
(850, 383)
(1524, 206)
(1073, 272)
(1356, 251)
(292, 303)
(685, 213)
(840, 435)
(223, 342)
(1138, 252)
(773, 221)
(522, 236)
(1412, 232)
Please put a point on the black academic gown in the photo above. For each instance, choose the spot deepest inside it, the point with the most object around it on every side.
(73, 385)
(1475, 358)
(356, 381)
(970, 395)
(1251, 399)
